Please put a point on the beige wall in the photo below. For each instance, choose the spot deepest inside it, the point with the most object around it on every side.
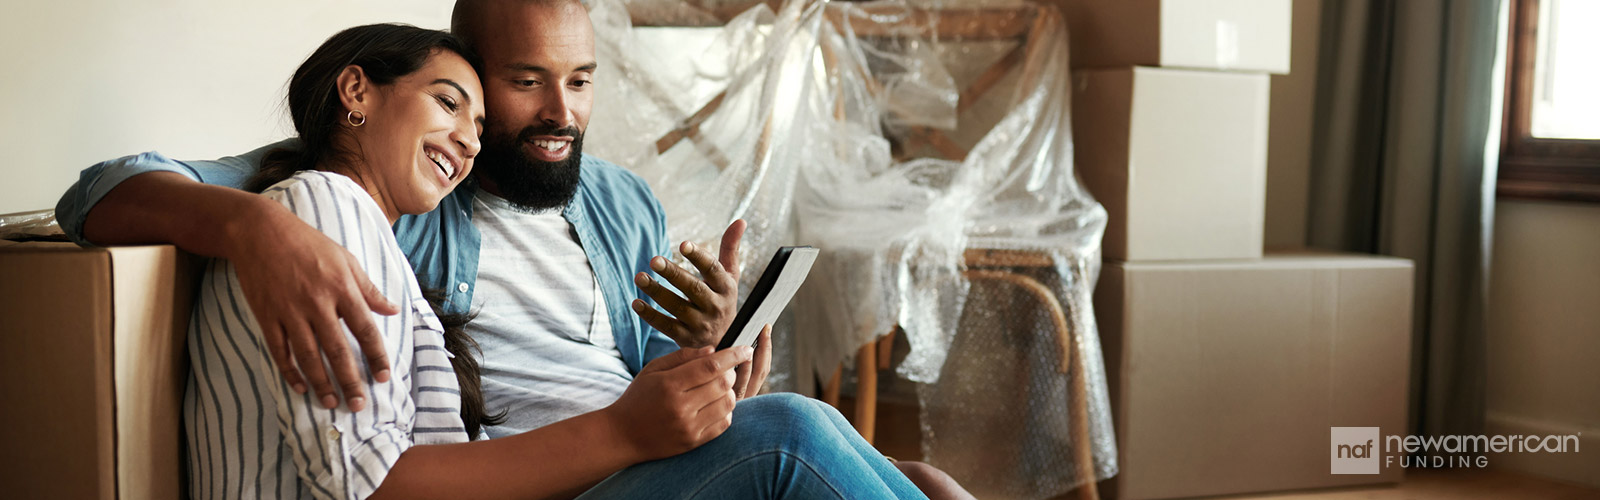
(90, 80)
(1544, 332)
(1544, 316)
(1289, 139)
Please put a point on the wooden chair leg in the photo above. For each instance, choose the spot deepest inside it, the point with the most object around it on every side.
(1078, 408)
(1071, 363)
(886, 349)
(830, 390)
(867, 390)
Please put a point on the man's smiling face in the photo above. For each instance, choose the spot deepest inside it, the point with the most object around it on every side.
(539, 61)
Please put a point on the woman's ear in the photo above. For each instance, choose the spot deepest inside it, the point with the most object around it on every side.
(355, 91)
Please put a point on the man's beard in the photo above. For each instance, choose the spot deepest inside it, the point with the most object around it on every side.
(529, 182)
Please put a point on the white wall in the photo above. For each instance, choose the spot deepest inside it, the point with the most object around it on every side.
(1544, 332)
(90, 80)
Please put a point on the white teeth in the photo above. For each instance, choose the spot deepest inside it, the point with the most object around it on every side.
(443, 162)
(549, 145)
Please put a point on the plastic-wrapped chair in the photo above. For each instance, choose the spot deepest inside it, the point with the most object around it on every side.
(1000, 266)
(1020, 221)
(997, 266)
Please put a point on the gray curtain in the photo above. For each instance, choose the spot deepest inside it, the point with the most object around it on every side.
(1403, 165)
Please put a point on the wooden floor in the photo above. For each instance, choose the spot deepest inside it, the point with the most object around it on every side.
(898, 436)
(1455, 484)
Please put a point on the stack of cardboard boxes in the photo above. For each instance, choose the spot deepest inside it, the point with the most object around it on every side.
(1227, 367)
(94, 369)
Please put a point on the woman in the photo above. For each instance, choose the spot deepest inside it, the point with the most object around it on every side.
(389, 117)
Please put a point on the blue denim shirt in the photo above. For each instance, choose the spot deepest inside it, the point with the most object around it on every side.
(618, 220)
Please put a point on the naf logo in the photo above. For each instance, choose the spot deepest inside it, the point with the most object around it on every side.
(1355, 450)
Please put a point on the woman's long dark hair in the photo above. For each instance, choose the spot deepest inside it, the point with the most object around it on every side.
(469, 375)
(385, 52)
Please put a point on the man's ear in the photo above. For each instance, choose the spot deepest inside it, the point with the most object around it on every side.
(355, 90)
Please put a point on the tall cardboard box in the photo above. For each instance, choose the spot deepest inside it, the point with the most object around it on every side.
(94, 370)
(1178, 158)
(1227, 377)
(1229, 35)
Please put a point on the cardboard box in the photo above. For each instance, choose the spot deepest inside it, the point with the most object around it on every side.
(1226, 377)
(1229, 35)
(1178, 158)
(95, 367)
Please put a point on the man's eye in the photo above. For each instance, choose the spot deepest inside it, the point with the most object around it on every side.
(581, 83)
(525, 83)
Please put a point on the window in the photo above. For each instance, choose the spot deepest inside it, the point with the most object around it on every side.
(1550, 146)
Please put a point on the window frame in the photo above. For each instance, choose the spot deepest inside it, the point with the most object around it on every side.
(1533, 167)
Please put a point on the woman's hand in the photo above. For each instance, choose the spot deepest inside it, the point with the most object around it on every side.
(678, 402)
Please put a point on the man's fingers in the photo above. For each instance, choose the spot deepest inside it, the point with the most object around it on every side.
(661, 322)
(708, 392)
(741, 379)
(708, 368)
(716, 278)
(675, 359)
(691, 286)
(717, 405)
(715, 418)
(359, 319)
(662, 295)
(303, 344)
(375, 301)
(357, 316)
(336, 348)
(761, 363)
(279, 349)
(730, 247)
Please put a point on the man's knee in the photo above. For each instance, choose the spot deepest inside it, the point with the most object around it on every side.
(782, 407)
(780, 420)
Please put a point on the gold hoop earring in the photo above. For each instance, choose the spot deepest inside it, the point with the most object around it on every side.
(355, 118)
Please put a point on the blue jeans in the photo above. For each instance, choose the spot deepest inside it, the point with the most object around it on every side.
(780, 446)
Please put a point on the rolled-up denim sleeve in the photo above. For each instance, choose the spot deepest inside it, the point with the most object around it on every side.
(94, 182)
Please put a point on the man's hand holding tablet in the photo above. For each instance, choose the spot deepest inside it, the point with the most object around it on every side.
(778, 284)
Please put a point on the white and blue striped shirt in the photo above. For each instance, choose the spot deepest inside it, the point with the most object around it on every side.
(250, 436)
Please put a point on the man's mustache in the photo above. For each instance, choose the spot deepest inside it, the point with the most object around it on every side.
(530, 132)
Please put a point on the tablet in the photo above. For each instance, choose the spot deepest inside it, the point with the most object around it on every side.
(777, 285)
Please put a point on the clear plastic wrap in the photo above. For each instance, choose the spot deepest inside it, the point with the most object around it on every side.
(711, 123)
(931, 164)
(35, 225)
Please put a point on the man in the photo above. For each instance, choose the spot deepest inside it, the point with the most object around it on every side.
(561, 244)
(300, 285)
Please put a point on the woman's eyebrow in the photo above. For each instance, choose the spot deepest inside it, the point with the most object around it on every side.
(452, 83)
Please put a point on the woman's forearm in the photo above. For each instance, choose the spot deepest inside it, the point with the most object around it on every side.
(560, 460)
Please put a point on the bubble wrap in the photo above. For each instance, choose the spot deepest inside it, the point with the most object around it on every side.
(829, 125)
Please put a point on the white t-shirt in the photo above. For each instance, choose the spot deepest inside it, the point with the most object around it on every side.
(548, 350)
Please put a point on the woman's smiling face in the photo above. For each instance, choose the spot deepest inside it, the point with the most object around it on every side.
(421, 134)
